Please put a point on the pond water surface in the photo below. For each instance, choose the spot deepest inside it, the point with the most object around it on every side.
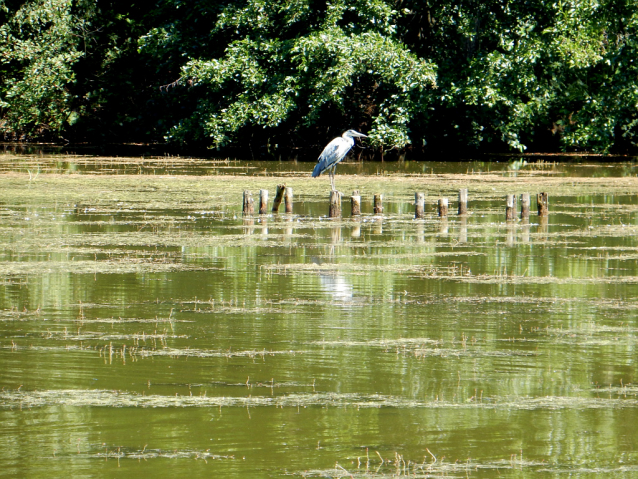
(148, 329)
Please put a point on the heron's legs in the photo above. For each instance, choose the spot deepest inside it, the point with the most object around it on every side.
(332, 177)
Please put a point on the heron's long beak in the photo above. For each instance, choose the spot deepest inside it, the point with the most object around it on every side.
(362, 135)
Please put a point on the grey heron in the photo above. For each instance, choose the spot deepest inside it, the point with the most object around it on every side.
(334, 152)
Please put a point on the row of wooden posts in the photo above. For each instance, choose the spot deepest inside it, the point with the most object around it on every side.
(284, 193)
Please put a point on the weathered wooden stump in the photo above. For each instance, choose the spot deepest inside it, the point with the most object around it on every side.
(510, 207)
(263, 202)
(443, 207)
(279, 196)
(419, 205)
(335, 204)
(355, 200)
(463, 201)
(249, 203)
(525, 205)
(543, 204)
(378, 204)
(288, 199)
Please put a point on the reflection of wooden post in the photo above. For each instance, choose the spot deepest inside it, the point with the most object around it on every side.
(444, 226)
(288, 228)
(356, 228)
(511, 236)
(543, 204)
(443, 206)
(249, 226)
(335, 204)
(463, 201)
(463, 231)
(336, 234)
(510, 207)
(279, 196)
(378, 204)
(355, 199)
(543, 224)
(263, 202)
(288, 199)
(525, 232)
(249, 204)
(420, 232)
(419, 205)
(378, 226)
(525, 205)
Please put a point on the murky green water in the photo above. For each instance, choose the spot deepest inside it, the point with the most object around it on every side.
(147, 329)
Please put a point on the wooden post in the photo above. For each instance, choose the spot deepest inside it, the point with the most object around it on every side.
(525, 205)
(249, 204)
(288, 199)
(335, 204)
(510, 208)
(443, 206)
(419, 205)
(355, 199)
(543, 204)
(378, 204)
(263, 202)
(279, 196)
(463, 201)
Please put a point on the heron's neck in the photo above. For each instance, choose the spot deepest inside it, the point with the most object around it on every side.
(348, 138)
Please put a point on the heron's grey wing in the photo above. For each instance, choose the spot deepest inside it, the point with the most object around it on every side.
(330, 155)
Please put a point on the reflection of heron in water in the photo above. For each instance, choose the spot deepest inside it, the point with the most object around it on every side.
(336, 285)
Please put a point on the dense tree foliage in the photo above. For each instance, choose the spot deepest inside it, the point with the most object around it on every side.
(490, 75)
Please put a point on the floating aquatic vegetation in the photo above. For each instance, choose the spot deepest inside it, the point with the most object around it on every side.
(204, 353)
(416, 347)
(102, 336)
(381, 343)
(375, 466)
(119, 452)
(109, 398)
(131, 265)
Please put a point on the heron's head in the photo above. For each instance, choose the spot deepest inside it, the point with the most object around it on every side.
(354, 134)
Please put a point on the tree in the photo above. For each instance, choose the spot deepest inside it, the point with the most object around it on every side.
(470, 75)
(39, 45)
(290, 66)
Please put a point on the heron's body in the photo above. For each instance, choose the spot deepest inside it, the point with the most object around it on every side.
(334, 152)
